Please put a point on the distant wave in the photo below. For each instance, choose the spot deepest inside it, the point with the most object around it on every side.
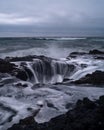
(56, 38)
(70, 38)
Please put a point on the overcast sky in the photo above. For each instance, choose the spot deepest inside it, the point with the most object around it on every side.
(51, 17)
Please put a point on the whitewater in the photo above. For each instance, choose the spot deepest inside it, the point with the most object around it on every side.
(40, 84)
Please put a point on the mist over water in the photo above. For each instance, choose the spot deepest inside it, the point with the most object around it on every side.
(42, 75)
(51, 47)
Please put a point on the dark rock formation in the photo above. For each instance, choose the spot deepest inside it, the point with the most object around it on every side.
(87, 115)
(43, 67)
(6, 67)
(94, 52)
(26, 58)
(21, 85)
(75, 54)
(99, 57)
(96, 77)
(15, 59)
(21, 74)
(10, 68)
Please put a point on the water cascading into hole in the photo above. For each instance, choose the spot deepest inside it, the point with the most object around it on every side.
(45, 72)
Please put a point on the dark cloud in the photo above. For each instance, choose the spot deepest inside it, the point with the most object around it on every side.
(51, 16)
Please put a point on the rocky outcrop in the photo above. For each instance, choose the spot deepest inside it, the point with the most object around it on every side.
(21, 72)
(10, 68)
(87, 115)
(94, 52)
(42, 68)
(15, 59)
(6, 67)
(38, 69)
(75, 54)
(96, 77)
(27, 58)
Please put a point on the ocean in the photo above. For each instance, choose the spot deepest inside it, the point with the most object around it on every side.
(38, 74)
(52, 47)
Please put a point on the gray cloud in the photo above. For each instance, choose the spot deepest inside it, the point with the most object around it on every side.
(50, 15)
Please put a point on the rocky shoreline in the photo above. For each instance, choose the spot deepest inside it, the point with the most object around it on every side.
(22, 72)
(87, 115)
(96, 78)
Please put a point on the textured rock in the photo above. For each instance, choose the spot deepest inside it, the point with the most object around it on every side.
(10, 68)
(75, 54)
(6, 67)
(21, 74)
(96, 77)
(26, 58)
(15, 59)
(96, 52)
(87, 115)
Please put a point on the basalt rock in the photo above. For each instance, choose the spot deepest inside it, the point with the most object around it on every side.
(27, 58)
(15, 59)
(36, 68)
(10, 68)
(87, 115)
(99, 57)
(96, 77)
(21, 74)
(94, 52)
(75, 54)
(6, 67)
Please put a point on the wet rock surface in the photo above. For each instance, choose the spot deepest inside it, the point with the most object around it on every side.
(6, 67)
(30, 80)
(96, 77)
(11, 68)
(49, 67)
(39, 69)
(22, 72)
(75, 54)
(97, 54)
(27, 58)
(15, 59)
(87, 115)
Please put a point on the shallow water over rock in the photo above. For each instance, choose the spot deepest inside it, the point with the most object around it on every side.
(33, 86)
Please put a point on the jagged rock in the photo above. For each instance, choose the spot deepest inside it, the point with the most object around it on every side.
(96, 77)
(43, 66)
(75, 54)
(6, 67)
(10, 68)
(91, 52)
(87, 115)
(94, 52)
(24, 58)
(21, 74)
(101, 101)
(86, 103)
(83, 65)
(99, 57)
(21, 85)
